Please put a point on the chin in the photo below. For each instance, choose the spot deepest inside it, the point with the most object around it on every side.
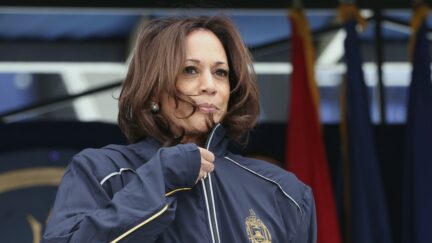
(198, 127)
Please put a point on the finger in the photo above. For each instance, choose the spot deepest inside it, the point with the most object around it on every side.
(207, 155)
(207, 166)
(200, 176)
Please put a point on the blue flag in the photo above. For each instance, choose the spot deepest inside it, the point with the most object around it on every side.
(417, 202)
(367, 212)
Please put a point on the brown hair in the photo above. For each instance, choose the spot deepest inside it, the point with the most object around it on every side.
(157, 61)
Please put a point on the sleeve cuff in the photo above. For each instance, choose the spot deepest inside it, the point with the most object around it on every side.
(181, 165)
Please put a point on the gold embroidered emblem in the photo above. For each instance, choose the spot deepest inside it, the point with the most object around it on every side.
(256, 230)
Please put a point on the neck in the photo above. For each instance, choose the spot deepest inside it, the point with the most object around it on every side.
(198, 140)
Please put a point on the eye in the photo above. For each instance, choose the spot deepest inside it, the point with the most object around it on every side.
(190, 70)
(222, 73)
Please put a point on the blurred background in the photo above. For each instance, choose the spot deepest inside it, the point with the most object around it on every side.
(62, 64)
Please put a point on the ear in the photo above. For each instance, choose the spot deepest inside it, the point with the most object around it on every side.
(153, 98)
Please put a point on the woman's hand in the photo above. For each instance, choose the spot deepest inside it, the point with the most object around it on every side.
(207, 165)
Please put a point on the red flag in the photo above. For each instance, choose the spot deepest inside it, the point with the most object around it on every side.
(305, 152)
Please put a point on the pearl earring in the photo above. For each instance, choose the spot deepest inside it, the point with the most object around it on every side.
(154, 107)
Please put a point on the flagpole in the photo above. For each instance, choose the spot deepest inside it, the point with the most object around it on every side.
(346, 197)
(379, 64)
(297, 4)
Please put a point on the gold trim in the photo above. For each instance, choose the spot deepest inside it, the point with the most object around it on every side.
(349, 11)
(344, 137)
(151, 218)
(420, 14)
(176, 190)
(36, 228)
(140, 225)
(303, 30)
(24, 178)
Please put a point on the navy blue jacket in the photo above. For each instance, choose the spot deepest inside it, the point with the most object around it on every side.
(144, 192)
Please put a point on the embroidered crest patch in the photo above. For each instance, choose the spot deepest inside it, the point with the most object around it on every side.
(256, 230)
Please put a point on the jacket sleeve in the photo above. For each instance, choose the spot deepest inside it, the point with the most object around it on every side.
(84, 212)
(307, 231)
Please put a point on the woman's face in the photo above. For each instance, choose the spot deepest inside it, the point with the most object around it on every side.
(204, 78)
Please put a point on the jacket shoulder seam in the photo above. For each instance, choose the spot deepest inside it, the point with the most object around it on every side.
(268, 179)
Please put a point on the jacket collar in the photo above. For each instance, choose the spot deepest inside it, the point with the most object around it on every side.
(216, 142)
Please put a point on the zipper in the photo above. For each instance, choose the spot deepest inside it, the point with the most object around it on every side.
(209, 198)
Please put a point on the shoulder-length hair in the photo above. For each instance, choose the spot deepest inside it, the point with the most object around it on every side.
(158, 60)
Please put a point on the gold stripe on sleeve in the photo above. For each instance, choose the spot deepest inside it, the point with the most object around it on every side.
(140, 225)
(176, 190)
(152, 217)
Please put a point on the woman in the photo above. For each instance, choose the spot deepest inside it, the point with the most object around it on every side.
(189, 90)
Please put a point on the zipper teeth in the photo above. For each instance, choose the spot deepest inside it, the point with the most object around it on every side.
(212, 224)
(208, 212)
(211, 136)
(214, 209)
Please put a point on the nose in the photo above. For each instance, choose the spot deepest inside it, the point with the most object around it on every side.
(207, 83)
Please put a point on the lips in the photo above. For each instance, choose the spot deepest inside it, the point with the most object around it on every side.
(208, 108)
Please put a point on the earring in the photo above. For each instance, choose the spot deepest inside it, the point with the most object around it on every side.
(154, 107)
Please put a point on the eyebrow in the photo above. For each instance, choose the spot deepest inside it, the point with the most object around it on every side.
(198, 61)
